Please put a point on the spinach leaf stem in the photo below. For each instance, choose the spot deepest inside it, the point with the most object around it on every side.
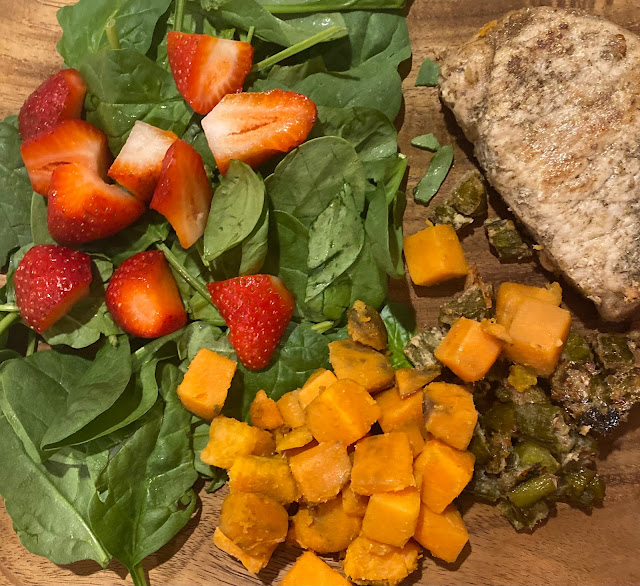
(7, 320)
(112, 34)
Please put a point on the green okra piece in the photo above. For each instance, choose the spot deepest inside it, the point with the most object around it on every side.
(506, 241)
(577, 349)
(530, 453)
(524, 518)
(445, 213)
(533, 490)
(613, 351)
(474, 303)
(500, 418)
(469, 197)
(421, 349)
(544, 423)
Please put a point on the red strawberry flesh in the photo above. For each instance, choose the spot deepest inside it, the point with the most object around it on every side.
(143, 297)
(49, 280)
(257, 309)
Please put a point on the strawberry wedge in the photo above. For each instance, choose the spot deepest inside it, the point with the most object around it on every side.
(138, 166)
(71, 141)
(82, 207)
(253, 127)
(206, 69)
(183, 194)
(60, 97)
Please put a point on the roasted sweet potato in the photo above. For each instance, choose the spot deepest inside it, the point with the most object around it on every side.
(230, 438)
(443, 534)
(345, 412)
(354, 504)
(365, 326)
(325, 528)
(310, 570)
(371, 562)
(362, 364)
(316, 383)
(511, 295)
(271, 476)
(264, 412)
(450, 414)
(291, 409)
(382, 463)
(204, 388)
(321, 471)
(411, 380)
(253, 563)
(291, 439)
(391, 517)
(416, 433)
(396, 411)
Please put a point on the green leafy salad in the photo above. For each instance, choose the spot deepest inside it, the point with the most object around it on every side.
(99, 456)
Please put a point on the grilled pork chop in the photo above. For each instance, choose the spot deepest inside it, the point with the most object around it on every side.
(551, 100)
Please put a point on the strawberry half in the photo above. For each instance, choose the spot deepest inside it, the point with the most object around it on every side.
(143, 297)
(257, 309)
(60, 97)
(82, 207)
(206, 69)
(139, 163)
(71, 141)
(253, 127)
(183, 194)
(49, 280)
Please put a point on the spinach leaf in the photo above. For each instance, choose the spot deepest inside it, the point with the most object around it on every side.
(436, 174)
(85, 26)
(158, 349)
(15, 191)
(384, 228)
(255, 246)
(294, 6)
(198, 335)
(426, 141)
(39, 230)
(401, 327)
(428, 74)
(236, 208)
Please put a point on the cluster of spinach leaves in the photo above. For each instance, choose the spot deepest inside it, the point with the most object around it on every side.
(99, 457)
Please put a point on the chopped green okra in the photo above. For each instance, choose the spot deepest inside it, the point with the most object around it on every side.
(474, 303)
(613, 351)
(469, 197)
(506, 241)
(533, 490)
(445, 213)
(577, 349)
(530, 453)
(420, 349)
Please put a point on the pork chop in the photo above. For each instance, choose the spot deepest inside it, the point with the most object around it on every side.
(551, 100)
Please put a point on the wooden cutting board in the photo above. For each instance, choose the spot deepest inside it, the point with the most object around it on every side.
(571, 548)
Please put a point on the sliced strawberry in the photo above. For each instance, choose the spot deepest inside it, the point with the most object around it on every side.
(60, 97)
(139, 163)
(183, 194)
(49, 280)
(143, 297)
(82, 207)
(257, 309)
(253, 127)
(206, 69)
(71, 141)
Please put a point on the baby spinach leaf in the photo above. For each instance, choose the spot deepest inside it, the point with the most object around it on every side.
(85, 25)
(39, 230)
(401, 327)
(296, 6)
(381, 225)
(158, 349)
(236, 208)
(436, 174)
(428, 74)
(15, 191)
(199, 334)
(255, 246)
(426, 141)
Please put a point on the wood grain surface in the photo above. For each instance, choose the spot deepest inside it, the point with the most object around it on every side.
(572, 547)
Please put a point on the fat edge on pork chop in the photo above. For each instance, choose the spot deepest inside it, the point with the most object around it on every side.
(551, 100)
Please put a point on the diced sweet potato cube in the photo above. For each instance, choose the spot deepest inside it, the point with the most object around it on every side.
(316, 383)
(450, 414)
(416, 433)
(345, 412)
(361, 364)
(264, 412)
(321, 471)
(254, 522)
(382, 463)
(391, 517)
(325, 528)
(396, 411)
(230, 438)
(467, 350)
(434, 255)
(204, 388)
(511, 295)
(354, 504)
(253, 563)
(271, 476)
(365, 326)
(443, 534)
(371, 562)
(291, 409)
(310, 569)
(411, 380)
(290, 439)
(538, 333)
(445, 472)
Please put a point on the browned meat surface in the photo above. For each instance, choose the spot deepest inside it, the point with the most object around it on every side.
(551, 100)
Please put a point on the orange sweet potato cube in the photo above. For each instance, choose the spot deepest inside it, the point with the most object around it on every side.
(372, 562)
(364, 365)
(450, 414)
(416, 433)
(396, 411)
(271, 476)
(230, 439)
(316, 383)
(382, 463)
(467, 350)
(253, 563)
(511, 295)
(411, 380)
(264, 412)
(391, 517)
(310, 569)
(443, 534)
(445, 472)
(291, 439)
(321, 471)
(291, 409)
(538, 333)
(435, 255)
(204, 388)
(345, 412)
(354, 504)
